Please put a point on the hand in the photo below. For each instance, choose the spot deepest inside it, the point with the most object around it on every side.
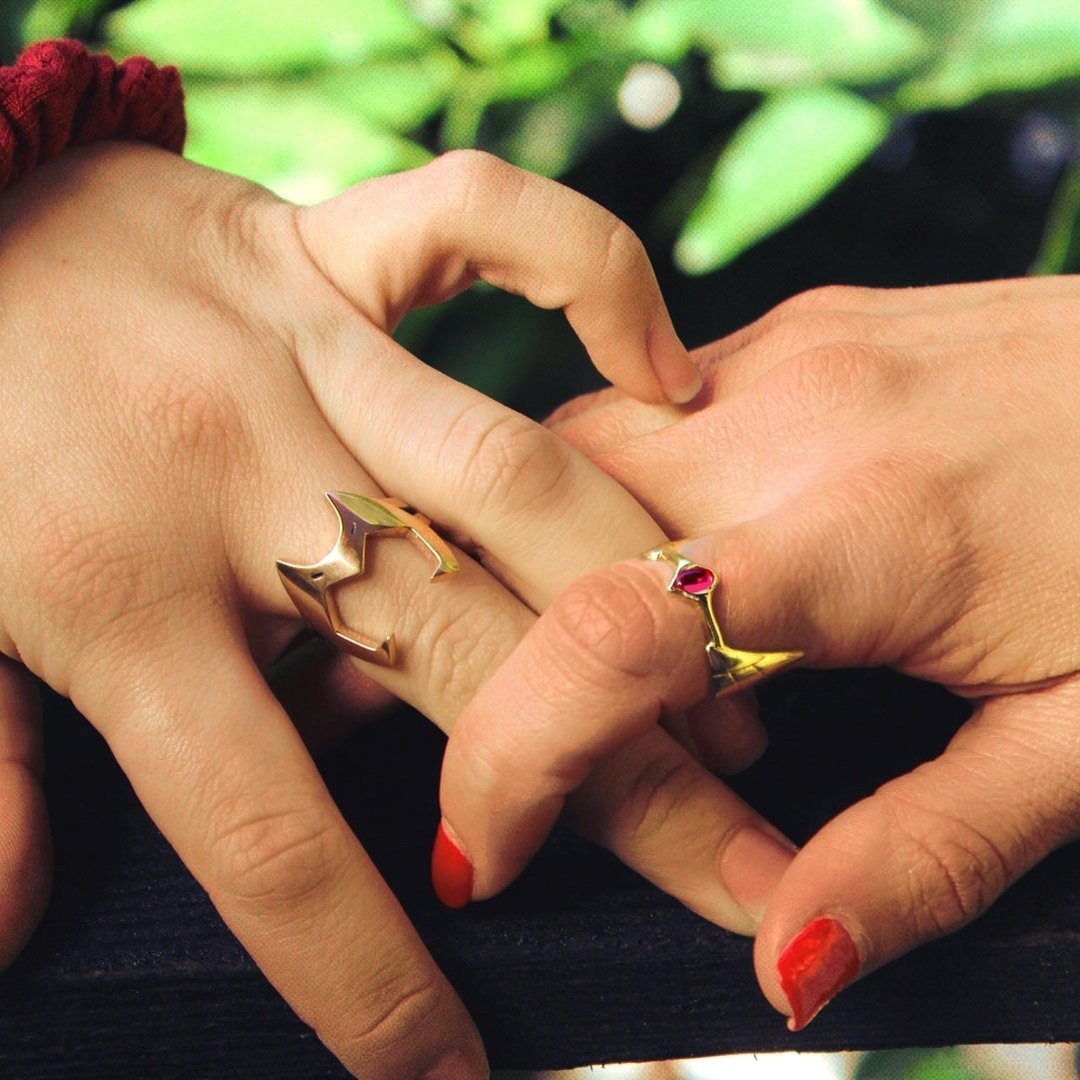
(188, 364)
(878, 477)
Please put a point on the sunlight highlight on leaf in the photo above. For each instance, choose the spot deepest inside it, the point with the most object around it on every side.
(304, 146)
(794, 149)
(245, 37)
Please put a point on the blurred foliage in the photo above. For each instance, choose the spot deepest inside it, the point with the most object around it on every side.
(308, 98)
(946, 1063)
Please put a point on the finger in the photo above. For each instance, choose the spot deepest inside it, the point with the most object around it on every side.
(662, 813)
(748, 450)
(616, 652)
(727, 733)
(25, 848)
(464, 620)
(583, 404)
(613, 654)
(539, 514)
(326, 695)
(599, 427)
(927, 853)
(472, 216)
(225, 776)
(449, 633)
(724, 734)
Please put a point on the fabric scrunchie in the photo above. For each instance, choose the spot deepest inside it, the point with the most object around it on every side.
(58, 94)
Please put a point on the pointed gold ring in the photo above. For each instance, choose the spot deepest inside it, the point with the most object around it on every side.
(730, 669)
(311, 587)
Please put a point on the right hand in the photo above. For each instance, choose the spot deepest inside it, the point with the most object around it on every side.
(188, 364)
(877, 477)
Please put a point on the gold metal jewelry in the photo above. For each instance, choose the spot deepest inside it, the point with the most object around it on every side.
(729, 669)
(310, 587)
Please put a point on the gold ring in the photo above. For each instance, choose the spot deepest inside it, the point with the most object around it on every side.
(310, 587)
(730, 669)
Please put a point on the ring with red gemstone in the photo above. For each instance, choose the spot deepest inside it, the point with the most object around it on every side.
(730, 669)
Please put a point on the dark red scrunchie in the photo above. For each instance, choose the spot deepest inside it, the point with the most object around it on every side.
(57, 94)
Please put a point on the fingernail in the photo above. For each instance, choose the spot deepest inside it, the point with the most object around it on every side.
(451, 871)
(751, 867)
(680, 379)
(816, 965)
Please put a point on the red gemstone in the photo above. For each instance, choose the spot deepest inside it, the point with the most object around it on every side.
(695, 580)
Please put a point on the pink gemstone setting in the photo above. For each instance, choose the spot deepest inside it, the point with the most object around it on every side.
(695, 580)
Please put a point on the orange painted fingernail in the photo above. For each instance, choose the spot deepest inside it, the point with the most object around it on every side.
(451, 871)
(816, 965)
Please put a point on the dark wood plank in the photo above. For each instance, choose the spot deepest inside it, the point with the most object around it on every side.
(132, 973)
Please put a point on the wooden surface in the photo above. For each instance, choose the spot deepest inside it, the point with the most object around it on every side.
(133, 975)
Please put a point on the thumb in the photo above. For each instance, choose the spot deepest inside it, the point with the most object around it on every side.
(417, 238)
(927, 853)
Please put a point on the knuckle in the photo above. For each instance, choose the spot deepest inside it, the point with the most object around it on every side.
(464, 175)
(238, 239)
(384, 1043)
(838, 298)
(278, 858)
(844, 376)
(790, 335)
(455, 659)
(515, 464)
(624, 253)
(610, 626)
(955, 871)
(659, 794)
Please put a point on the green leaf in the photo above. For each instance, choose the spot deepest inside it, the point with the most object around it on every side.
(781, 42)
(1009, 45)
(295, 141)
(60, 18)
(398, 94)
(246, 37)
(1059, 252)
(940, 18)
(500, 26)
(531, 72)
(523, 76)
(551, 134)
(943, 1064)
(791, 151)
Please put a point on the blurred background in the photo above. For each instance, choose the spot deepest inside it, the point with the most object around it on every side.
(758, 149)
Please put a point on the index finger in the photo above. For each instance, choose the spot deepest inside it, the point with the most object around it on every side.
(474, 216)
(225, 776)
(612, 655)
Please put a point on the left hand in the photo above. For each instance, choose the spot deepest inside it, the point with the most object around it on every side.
(877, 478)
(187, 364)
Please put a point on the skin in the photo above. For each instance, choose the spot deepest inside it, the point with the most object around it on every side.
(878, 477)
(188, 364)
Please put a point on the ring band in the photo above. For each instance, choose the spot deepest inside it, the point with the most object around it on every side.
(730, 669)
(311, 587)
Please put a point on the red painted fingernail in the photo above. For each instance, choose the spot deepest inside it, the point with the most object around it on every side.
(451, 871)
(817, 964)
